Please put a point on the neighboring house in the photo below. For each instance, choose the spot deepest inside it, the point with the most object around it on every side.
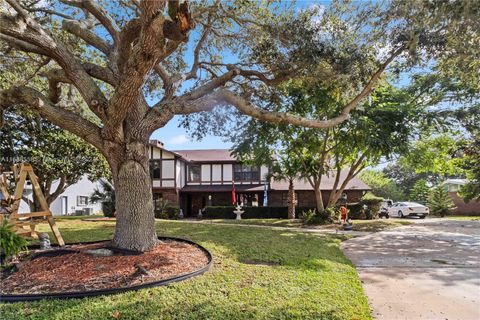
(453, 185)
(74, 200)
(194, 179)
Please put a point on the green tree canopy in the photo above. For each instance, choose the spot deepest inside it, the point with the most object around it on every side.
(137, 63)
(58, 157)
(382, 186)
(372, 133)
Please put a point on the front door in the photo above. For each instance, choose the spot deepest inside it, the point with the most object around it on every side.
(64, 202)
(188, 206)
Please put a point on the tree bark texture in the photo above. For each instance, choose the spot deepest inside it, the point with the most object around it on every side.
(135, 227)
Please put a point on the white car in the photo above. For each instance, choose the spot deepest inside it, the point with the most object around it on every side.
(408, 209)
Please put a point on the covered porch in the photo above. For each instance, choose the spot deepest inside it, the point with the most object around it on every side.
(196, 197)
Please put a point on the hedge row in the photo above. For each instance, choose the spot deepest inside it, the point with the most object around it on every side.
(226, 212)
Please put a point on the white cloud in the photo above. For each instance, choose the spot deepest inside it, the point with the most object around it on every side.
(179, 139)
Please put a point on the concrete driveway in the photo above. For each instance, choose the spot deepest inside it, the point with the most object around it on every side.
(428, 270)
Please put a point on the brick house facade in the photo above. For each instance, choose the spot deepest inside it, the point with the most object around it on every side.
(462, 208)
(194, 179)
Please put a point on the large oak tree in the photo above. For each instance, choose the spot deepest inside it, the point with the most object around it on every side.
(138, 63)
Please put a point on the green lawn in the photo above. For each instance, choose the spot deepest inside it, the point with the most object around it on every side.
(303, 276)
(358, 225)
(261, 222)
(469, 218)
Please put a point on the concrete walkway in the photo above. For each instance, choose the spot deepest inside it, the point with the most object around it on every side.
(428, 270)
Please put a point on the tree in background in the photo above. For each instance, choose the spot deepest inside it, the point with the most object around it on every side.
(449, 142)
(429, 160)
(382, 186)
(440, 202)
(471, 165)
(58, 157)
(470, 118)
(419, 192)
(436, 155)
(371, 133)
(405, 177)
(285, 167)
(132, 52)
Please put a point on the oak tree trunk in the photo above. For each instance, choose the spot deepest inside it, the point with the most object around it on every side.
(135, 227)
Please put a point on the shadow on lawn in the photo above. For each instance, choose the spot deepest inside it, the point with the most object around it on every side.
(252, 245)
(303, 267)
(245, 245)
(148, 304)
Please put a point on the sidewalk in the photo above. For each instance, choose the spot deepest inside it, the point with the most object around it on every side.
(294, 229)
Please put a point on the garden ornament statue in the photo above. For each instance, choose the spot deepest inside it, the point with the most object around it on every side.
(238, 211)
(44, 241)
(180, 214)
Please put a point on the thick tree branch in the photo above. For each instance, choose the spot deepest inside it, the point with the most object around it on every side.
(58, 191)
(65, 119)
(225, 97)
(99, 14)
(48, 11)
(171, 83)
(76, 28)
(92, 69)
(196, 53)
(22, 45)
(148, 51)
(28, 30)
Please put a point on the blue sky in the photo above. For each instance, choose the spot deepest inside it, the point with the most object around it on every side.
(176, 138)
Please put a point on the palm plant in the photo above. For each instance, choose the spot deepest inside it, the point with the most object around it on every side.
(284, 168)
(105, 195)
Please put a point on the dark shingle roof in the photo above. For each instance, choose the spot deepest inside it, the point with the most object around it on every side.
(327, 183)
(208, 155)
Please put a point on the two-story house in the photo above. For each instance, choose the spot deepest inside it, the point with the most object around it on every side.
(194, 179)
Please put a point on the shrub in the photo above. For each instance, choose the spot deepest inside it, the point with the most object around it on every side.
(440, 202)
(106, 196)
(163, 210)
(170, 212)
(368, 208)
(373, 203)
(309, 217)
(356, 211)
(219, 212)
(108, 209)
(328, 215)
(226, 212)
(10, 242)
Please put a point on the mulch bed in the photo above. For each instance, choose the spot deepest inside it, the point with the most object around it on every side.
(74, 270)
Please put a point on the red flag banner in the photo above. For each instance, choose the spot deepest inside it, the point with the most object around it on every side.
(233, 193)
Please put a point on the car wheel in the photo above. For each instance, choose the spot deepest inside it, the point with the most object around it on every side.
(422, 217)
(387, 216)
(400, 214)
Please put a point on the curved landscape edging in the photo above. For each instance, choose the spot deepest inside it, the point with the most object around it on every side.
(94, 293)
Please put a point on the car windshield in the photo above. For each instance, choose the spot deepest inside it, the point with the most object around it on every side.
(411, 204)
